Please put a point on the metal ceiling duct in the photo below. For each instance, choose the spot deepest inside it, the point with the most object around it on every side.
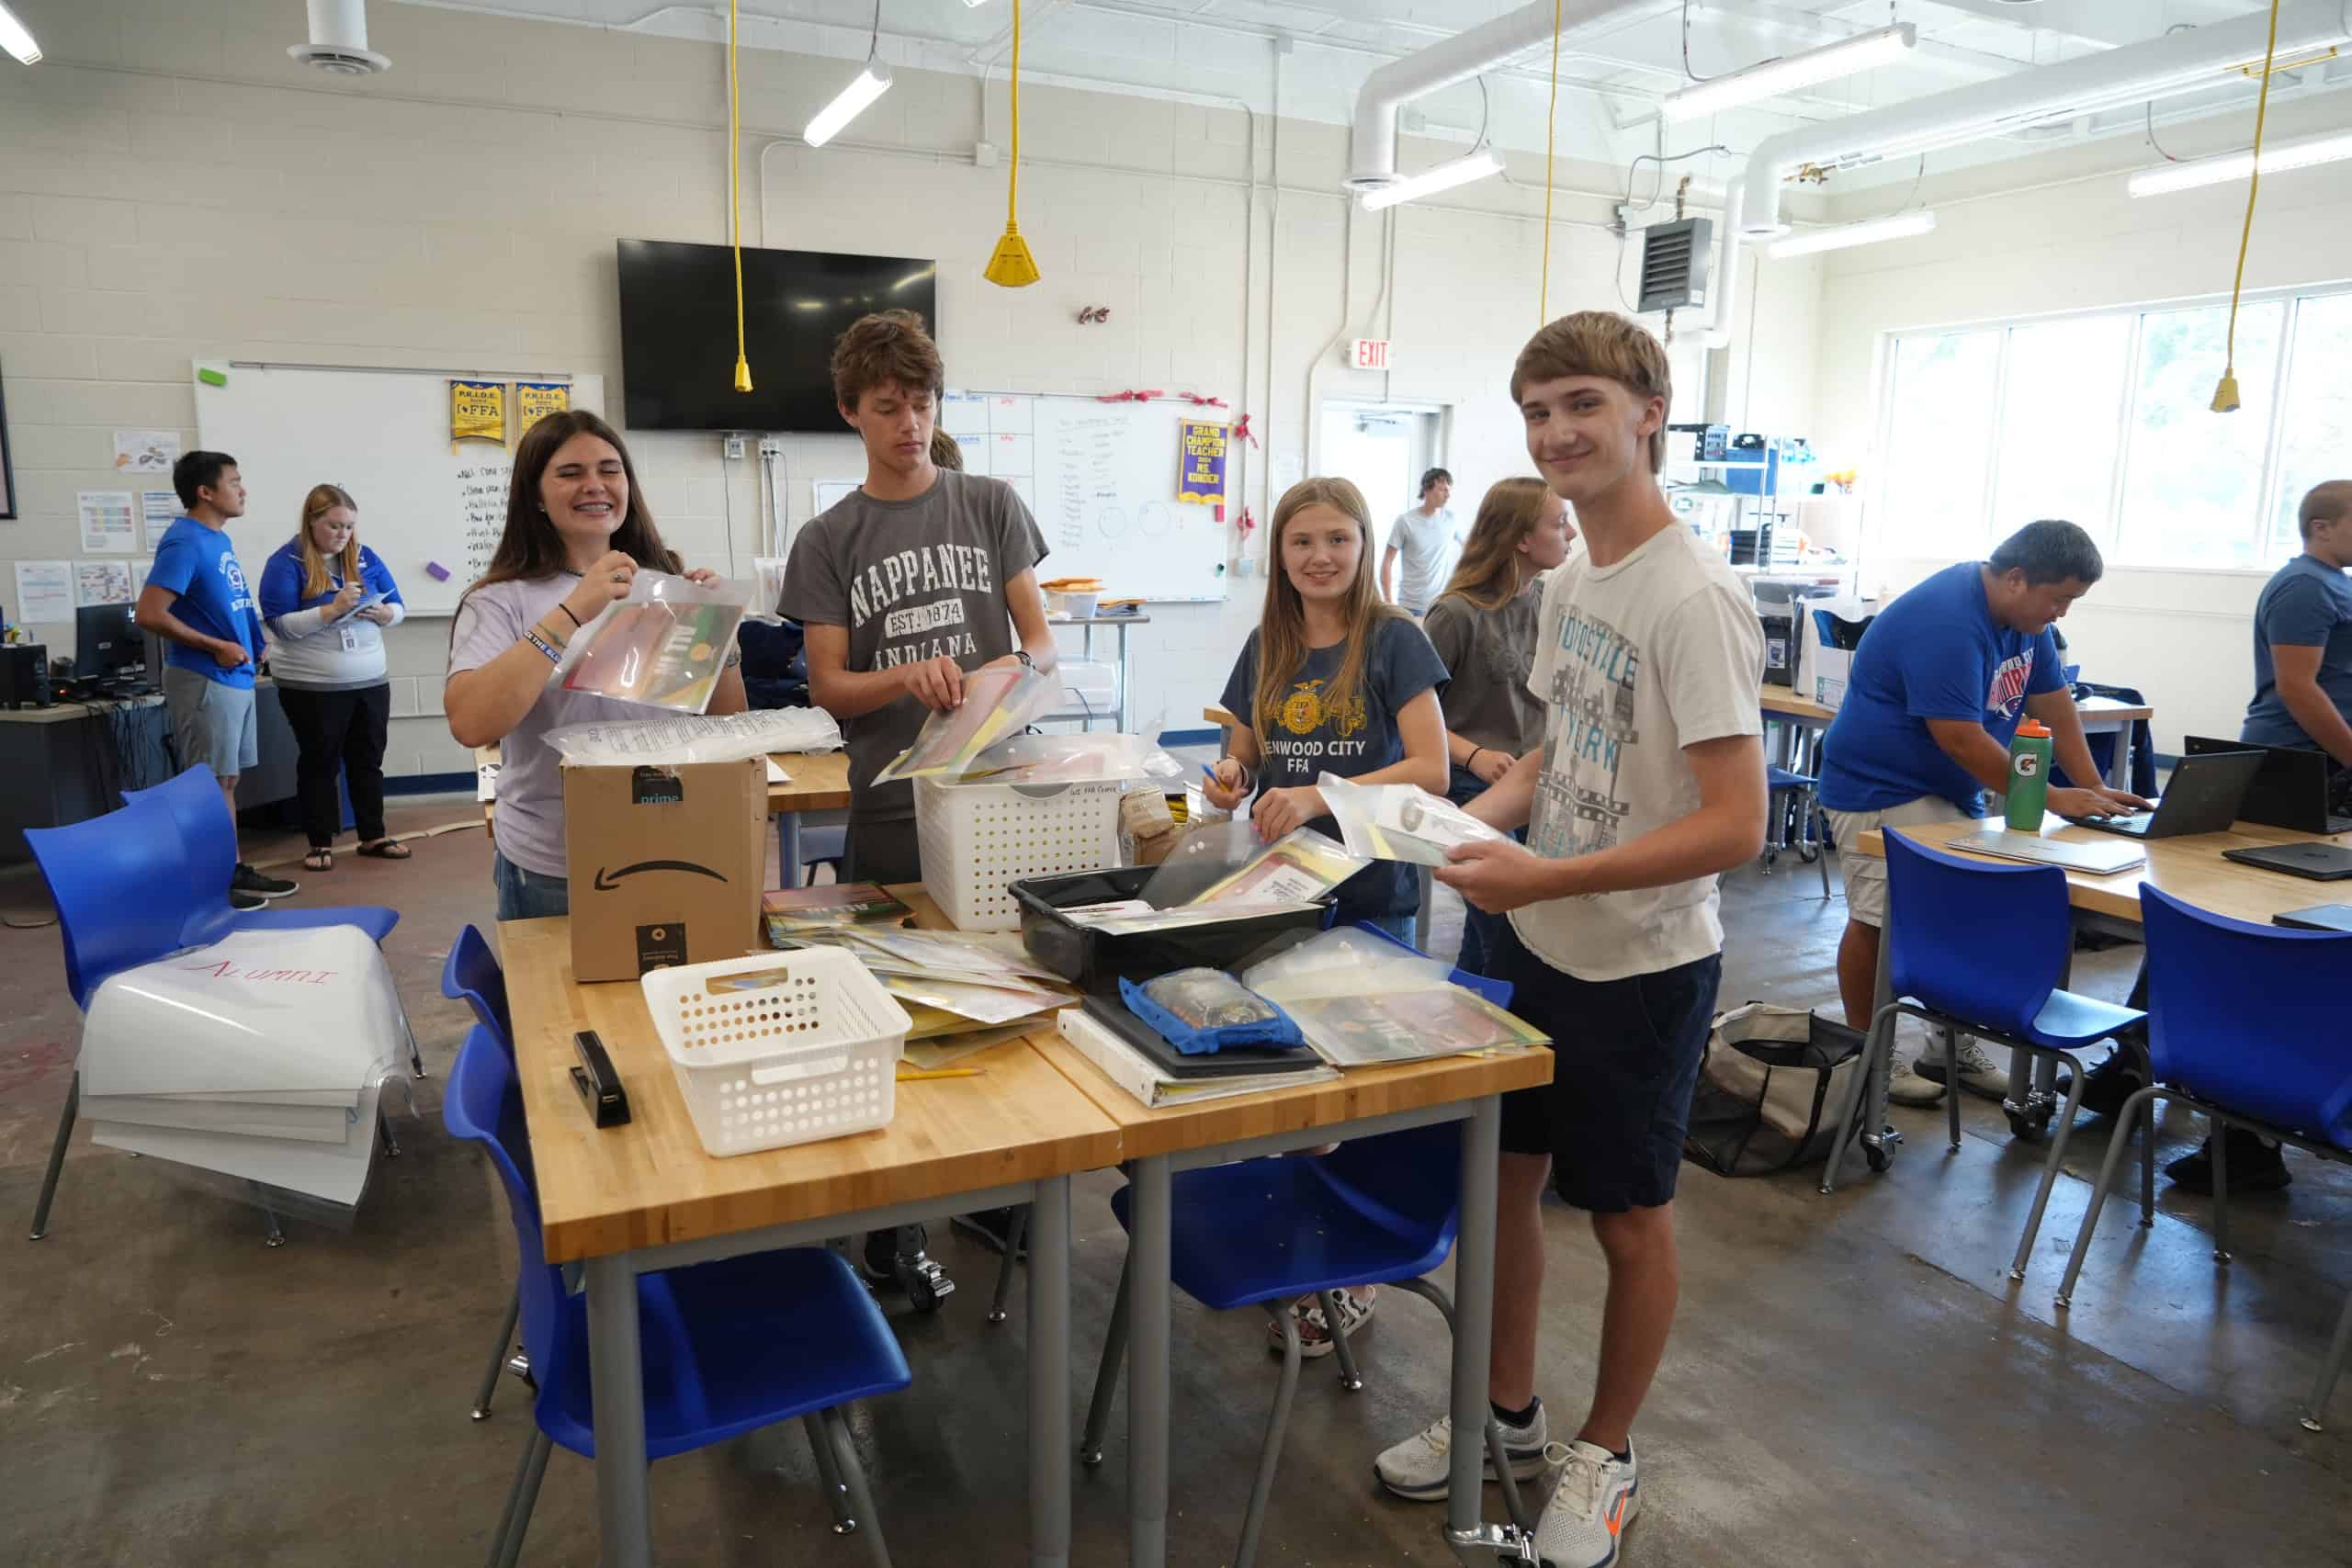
(339, 40)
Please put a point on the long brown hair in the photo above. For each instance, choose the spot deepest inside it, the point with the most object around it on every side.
(1488, 574)
(322, 500)
(530, 548)
(1281, 626)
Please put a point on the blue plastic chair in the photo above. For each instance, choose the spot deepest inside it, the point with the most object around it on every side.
(1264, 1232)
(1986, 948)
(729, 1347)
(471, 974)
(2246, 1024)
(208, 839)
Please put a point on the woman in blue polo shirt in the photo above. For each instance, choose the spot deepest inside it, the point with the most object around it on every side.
(326, 598)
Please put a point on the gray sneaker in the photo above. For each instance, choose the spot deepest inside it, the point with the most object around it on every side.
(1419, 1468)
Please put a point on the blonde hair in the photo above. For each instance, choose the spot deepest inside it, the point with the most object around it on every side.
(1602, 343)
(322, 500)
(1489, 574)
(945, 451)
(1281, 626)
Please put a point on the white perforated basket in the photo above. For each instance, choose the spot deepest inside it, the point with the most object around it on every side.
(979, 839)
(813, 1055)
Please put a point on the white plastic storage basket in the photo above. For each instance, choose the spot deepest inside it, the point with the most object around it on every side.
(979, 839)
(812, 1054)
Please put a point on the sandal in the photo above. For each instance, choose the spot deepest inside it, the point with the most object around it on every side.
(385, 848)
(1315, 1339)
(319, 860)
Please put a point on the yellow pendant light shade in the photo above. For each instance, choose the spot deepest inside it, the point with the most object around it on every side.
(1012, 265)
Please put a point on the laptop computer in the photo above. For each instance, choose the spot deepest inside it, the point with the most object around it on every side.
(2318, 918)
(2096, 860)
(2321, 863)
(2203, 797)
(2289, 792)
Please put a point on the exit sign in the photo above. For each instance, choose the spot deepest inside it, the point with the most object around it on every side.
(1371, 354)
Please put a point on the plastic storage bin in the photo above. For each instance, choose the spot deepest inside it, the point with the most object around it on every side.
(979, 839)
(812, 1055)
(1097, 960)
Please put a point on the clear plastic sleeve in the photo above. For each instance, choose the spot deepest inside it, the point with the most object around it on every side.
(1000, 701)
(699, 738)
(663, 646)
(1400, 822)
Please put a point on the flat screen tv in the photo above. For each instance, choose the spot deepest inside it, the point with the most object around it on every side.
(678, 330)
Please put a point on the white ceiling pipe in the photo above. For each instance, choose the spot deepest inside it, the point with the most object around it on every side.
(1727, 271)
(2157, 68)
(1372, 158)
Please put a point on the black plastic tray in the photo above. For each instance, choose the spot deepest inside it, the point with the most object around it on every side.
(1096, 961)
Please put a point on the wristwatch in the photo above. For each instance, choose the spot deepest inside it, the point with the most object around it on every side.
(1022, 655)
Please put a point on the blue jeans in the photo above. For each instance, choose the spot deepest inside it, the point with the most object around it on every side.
(528, 895)
(1399, 926)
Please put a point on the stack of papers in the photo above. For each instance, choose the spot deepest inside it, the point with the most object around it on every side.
(963, 992)
(792, 913)
(1132, 1056)
(261, 1057)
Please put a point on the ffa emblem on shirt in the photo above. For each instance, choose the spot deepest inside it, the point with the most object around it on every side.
(1305, 711)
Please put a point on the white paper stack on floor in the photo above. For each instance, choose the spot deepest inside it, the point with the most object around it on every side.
(261, 1057)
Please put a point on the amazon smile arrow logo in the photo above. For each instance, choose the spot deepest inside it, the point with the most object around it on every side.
(607, 880)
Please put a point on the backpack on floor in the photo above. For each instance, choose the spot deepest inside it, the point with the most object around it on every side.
(1770, 1087)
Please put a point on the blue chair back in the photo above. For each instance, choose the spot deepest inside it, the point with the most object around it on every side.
(483, 1103)
(207, 854)
(2251, 1017)
(112, 912)
(1987, 944)
(471, 974)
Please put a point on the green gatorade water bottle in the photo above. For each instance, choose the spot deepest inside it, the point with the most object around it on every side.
(2028, 776)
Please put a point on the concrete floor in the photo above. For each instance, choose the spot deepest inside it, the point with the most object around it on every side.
(1852, 1380)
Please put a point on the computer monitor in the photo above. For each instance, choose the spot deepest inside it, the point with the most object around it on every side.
(107, 645)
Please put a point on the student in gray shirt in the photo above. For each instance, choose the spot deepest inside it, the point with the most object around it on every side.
(577, 530)
(1420, 535)
(918, 576)
(1483, 626)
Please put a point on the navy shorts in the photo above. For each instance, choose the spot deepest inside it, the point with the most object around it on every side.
(1627, 1054)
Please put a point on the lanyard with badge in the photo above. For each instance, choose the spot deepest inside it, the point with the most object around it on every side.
(344, 629)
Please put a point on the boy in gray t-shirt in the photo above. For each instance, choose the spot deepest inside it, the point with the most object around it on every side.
(916, 577)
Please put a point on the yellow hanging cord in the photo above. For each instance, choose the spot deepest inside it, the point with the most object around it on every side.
(735, 197)
(1012, 265)
(1544, 284)
(2225, 395)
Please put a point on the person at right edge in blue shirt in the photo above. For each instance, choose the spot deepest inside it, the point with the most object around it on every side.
(2303, 696)
(1939, 683)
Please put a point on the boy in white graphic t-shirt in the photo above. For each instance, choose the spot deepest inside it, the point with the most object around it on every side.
(1649, 784)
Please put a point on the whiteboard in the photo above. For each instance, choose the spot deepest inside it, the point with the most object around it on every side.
(384, 436)
(1100, 480)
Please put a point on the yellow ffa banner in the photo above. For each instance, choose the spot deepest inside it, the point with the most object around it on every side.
(478, 411)
(1202, 475)
(533, 401)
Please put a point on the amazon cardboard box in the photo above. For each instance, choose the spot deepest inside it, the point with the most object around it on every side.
(666, 864)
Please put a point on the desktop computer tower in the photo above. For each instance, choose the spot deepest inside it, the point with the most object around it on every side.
(24, 675)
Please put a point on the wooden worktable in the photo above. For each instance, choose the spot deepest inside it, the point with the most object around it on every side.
(2105, 711)
(2190, 868)
(651, 1182)
(819, 782)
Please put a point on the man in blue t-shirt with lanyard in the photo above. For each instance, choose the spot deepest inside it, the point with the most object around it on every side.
(197, 600)
(1939, 683)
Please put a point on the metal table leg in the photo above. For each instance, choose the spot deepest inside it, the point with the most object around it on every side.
(1474, 1318)
(616, 1365)
(787, 848)
(1149, 1239)
(1049, 1451)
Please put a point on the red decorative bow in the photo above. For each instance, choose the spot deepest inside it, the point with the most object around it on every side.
(1242, 431)
(1199, 402)
(1143, 397)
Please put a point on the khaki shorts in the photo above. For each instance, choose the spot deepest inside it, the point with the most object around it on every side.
(1865, 873)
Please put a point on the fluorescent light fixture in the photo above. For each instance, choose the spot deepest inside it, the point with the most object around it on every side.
(2300, 153)
(1476, 166)
(17, 38)
(1903, 225)
(1792, 73)
(869, 84)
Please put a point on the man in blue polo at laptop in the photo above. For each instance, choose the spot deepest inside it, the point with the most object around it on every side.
(1939, 683)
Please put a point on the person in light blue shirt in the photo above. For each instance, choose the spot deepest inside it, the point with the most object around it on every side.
(196, 598)
(2302, 635)
(1939, 683)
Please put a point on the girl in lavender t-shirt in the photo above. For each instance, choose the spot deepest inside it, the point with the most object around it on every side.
(577, 530)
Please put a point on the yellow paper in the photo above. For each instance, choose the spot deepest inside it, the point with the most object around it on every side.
(533, 401)
(478, 411)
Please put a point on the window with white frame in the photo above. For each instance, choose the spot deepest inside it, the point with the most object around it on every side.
(2105, 418)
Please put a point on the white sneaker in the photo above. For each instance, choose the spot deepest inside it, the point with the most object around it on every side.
(1978, 1074)
(1905, 1087)
(1421, 1467)
(1597, 1497)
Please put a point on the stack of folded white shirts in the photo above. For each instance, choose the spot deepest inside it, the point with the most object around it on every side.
(261, 1057)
